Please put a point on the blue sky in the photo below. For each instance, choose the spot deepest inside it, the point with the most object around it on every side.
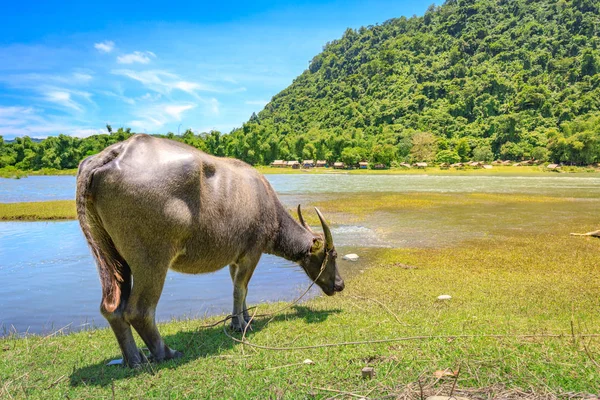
(73, 66)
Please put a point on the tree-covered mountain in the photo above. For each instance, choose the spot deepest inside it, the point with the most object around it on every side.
(471, 79)
(487, 78)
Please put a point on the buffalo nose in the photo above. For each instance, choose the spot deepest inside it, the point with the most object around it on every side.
(339, 287)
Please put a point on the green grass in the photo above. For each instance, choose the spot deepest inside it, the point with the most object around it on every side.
(38, 210)
(523, 274)
(11, 172)
(529, 170)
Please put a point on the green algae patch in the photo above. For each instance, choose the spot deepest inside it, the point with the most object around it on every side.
(38, 211)
(357, 205)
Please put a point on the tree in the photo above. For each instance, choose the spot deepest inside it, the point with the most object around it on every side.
(589, 63)
(351, 156)
(540, 153)
(447, 156)
(384, 154)
(483, 152)
(511, 151)
(463, 149)
(424, 146)
(309, 151)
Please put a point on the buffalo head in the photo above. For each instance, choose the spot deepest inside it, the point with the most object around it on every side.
(323, 256)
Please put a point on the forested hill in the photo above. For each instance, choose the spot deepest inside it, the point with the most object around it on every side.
(488, 78)
(471, 79)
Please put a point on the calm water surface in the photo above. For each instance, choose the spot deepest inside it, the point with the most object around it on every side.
(49, 281)
(40, 188)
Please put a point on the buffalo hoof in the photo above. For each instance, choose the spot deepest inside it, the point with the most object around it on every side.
(176, 354)
(239, 326)
(137, 360)
(169, 355)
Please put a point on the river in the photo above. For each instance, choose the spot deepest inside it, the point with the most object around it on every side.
(49, 280)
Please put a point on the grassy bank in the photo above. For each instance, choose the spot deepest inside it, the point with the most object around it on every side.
(10, 172)
(527, 170)
(519, 273)
(38, 210)
(353, 208)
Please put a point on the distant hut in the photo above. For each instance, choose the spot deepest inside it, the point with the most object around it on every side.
(487, 166)
(421, 165)
(444, 165)
(379, 166)
(506, 162)
(308, 163)
(278, 164)
(456, 165)
(294, 164)
(516, 164)
(475, 164)
(553, 167)
(339, 165)
(363, 165)
(405, 165)
(321, 163)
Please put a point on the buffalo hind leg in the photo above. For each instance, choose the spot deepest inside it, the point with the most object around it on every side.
(121, 328)
(141, 309)
(241, 272)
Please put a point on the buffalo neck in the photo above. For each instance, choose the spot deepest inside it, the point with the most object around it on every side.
(292, 241)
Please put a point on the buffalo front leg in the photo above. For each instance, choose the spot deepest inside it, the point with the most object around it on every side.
(241, 272)
(141, 309)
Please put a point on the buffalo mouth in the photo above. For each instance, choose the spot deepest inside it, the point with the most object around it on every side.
(330, 291)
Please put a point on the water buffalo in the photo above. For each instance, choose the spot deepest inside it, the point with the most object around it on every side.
(146, 205)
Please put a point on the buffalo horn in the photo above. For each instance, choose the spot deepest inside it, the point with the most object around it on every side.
(302, 220)
(326, 231)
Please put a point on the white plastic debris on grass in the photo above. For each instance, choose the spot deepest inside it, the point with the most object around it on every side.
(444, 297)
(351, 257)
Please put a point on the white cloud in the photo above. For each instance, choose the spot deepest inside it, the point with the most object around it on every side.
(36, 81)
(105, 47)
(82, 77)
(153, 118)
(27, 121)
(121, 97)
(164, 82)
(151, 97)
(142, 57)
(214, 106)
(155, 80)
(65, 98)
(62, 98)
(176, 111)
(189, 87)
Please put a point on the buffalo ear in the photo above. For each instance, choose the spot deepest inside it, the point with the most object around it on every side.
(317, 246)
